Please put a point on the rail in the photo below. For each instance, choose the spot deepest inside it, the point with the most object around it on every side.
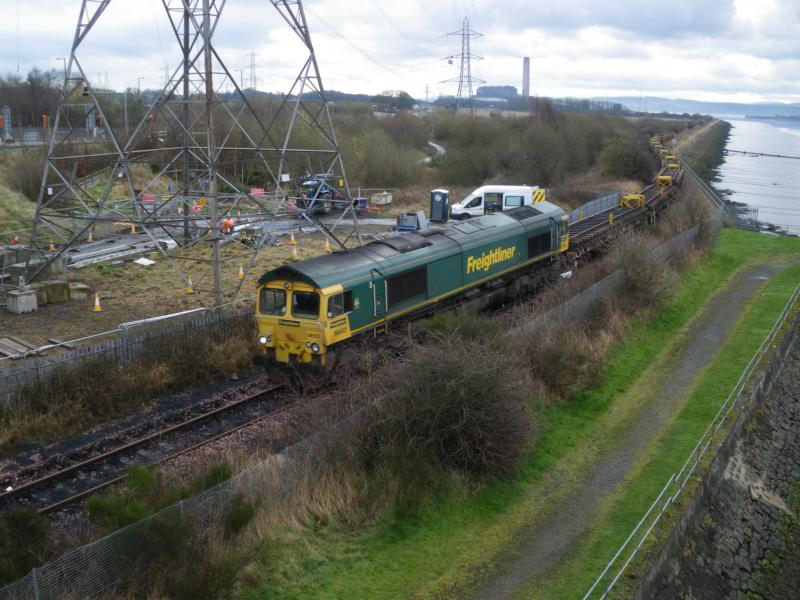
(94, 463)
(677, 482)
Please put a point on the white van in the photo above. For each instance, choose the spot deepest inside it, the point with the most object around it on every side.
(493, 198)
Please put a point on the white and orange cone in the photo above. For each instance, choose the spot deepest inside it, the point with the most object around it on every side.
(90, 239)
(294, 253)
(133, 228)
(189, 286)
(15, 241)
(241, 272)
(292, 241)
(97, 307)
(52, 247)
(328, 248)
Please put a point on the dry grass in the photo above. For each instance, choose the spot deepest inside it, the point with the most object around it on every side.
(76, 398)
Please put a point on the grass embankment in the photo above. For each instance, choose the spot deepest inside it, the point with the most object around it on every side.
(666, 455)
(459, 535)
(16, 212)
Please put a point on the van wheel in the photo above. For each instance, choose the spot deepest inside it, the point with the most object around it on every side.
(465, 216)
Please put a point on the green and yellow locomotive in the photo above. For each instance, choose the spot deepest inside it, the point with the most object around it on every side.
(307, 307)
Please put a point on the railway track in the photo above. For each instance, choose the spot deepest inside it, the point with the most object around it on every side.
(67, 485)
(582, 232)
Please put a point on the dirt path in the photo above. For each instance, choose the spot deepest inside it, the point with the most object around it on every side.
(559, 531)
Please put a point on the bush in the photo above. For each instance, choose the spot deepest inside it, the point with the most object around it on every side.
(460, 404)
(628, 159)
(563, 358)
(649, 279)
(24, 541)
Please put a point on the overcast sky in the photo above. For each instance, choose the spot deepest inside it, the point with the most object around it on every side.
(733, 50)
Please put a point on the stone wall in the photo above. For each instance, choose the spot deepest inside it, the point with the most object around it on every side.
(740, 536)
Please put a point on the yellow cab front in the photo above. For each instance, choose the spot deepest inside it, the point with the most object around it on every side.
(292, 324)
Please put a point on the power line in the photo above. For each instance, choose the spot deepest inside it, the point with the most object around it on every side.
(430, 14)
(397, 27)
(347, 41)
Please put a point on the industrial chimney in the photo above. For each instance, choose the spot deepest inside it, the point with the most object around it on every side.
(526, 77)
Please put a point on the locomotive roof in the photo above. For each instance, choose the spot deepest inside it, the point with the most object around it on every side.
(347, 267)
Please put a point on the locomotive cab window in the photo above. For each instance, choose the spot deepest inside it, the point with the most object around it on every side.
(340, 304)
(305, 305)
(406, 286)
(272, 302)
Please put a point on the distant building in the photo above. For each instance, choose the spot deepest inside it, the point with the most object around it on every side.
(506, 92)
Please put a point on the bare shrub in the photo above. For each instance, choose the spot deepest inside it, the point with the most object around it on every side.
(459, 403)
(232, 355)
(86, 393)
(649, 279)
(562, 357)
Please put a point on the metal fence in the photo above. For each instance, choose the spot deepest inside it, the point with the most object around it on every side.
(102, 567)
(579, 305)
(123, 344)
(595, 206)
(672, 490)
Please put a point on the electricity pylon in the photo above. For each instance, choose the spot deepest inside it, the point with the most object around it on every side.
(196, 156)
(466, 80)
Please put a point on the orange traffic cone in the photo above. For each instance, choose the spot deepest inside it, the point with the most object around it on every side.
(294, 253)
(292, 241)
(97, 307)
(189, 286)
(133, 228)
(52, 247)
(90, 239)
(15, 241)
(328, 246)
(241, 272)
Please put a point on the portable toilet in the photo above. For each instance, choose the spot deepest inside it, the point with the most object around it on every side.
(440, 205)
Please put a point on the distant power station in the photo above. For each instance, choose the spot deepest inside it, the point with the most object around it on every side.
(526, 77)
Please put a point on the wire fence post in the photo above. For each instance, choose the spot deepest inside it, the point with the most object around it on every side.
(35, 584)
(286, 474)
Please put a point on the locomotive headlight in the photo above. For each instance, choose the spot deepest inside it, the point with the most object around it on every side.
(308, 344)
(263, 340)
(315, 347)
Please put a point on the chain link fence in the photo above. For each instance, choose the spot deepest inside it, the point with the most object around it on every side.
(580, 305)
(123, 344)
(105, 566)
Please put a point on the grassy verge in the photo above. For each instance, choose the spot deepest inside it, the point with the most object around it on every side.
(666, 455)
(452, 540)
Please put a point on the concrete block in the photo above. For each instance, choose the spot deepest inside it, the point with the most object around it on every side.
(79, 291)
(19, 302)
(57, 291)
(41, 293)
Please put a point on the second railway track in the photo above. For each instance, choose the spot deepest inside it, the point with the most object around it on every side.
(59, 488)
